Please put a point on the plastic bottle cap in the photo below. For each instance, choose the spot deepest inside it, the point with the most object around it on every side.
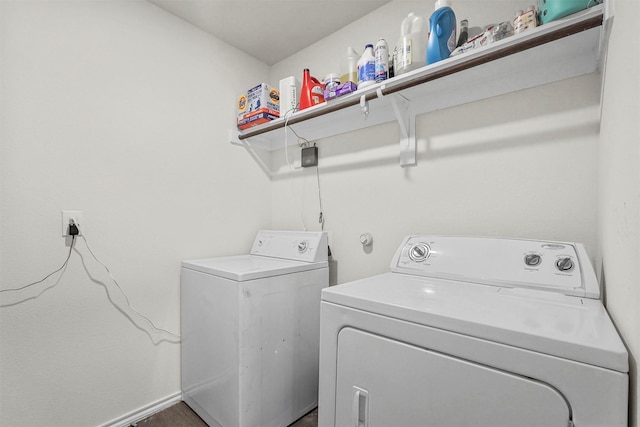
(442, 3)
(369, 46)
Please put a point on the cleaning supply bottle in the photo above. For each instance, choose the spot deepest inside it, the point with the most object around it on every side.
(349, 67)
(367, 68)
(412, 44)
(312, 92)
(442, 32)
(464, 32)
(382, 60)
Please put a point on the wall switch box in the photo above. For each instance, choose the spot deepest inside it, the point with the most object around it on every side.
(309, 157)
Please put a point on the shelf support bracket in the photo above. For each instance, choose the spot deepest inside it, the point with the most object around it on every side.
(364, 106)
(407, 123)
(234, 137)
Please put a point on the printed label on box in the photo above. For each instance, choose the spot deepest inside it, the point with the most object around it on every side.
(258, 98)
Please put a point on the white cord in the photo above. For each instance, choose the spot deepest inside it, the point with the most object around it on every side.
(63, 268)
(321, 216)
(286, 155)
(124, 293)
(64, 264)
(286, 137)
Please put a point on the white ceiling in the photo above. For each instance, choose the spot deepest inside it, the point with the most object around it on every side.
(270, 30)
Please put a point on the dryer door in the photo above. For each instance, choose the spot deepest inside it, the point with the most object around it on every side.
(382, 382)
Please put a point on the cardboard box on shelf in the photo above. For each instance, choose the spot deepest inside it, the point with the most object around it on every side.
(263, 101)
(340, 90)
(257, 118)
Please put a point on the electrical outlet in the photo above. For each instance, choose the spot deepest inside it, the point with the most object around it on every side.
(67, 216)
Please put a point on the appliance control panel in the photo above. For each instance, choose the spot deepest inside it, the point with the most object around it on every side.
(513, 263)
(307, 246)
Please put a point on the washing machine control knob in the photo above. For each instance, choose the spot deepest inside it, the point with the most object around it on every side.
(532, 260)
(302, 246)
(419, 252)
(564, 264)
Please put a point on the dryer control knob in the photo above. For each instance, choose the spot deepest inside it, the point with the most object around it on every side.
(564, 264)
(419, 252)
(302, 246)
(532, 259)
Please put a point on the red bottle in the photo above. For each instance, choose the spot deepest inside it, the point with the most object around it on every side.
(312, 91)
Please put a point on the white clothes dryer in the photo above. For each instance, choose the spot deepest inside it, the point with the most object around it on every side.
(478, 332)
(250, 331)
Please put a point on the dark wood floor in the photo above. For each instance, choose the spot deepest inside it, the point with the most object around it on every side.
(180, 415)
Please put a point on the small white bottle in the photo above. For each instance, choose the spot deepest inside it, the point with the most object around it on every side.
(367, 68)
(382, 60)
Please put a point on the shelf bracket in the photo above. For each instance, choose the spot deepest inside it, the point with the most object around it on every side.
(407, 123)
(234, 137)
(364, 106)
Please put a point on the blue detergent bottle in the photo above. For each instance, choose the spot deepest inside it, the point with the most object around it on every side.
(442, 32)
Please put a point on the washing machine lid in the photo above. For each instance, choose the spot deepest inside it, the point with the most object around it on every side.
(250, 267)
(572, 328)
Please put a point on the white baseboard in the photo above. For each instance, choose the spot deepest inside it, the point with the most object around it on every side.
(144, 412)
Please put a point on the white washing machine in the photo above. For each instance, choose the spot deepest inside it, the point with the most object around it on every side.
(250, 331)
(475, 332)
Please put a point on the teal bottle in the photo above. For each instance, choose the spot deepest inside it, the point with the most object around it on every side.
(442, 32)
